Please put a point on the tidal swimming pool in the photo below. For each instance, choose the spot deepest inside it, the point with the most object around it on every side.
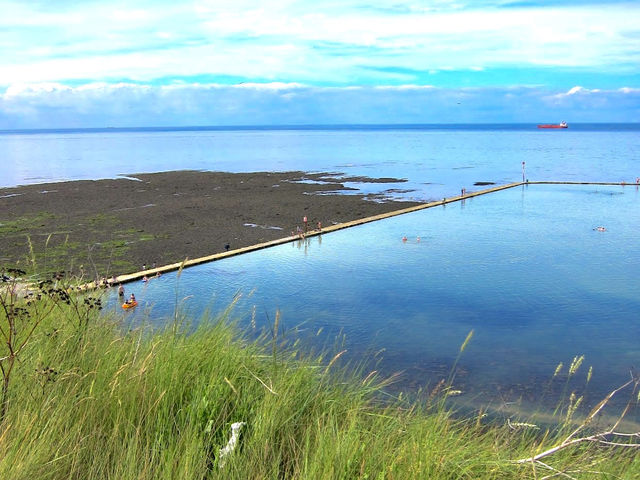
(524, 268)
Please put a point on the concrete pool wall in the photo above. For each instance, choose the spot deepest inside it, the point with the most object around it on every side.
(332, 228)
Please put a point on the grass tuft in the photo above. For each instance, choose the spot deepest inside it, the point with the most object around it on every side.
(90, 399)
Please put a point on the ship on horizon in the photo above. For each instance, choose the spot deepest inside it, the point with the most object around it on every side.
(562, 124)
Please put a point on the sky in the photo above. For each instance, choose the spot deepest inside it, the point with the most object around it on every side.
(98, 63)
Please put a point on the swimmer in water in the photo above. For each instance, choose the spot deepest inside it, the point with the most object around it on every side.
(600, 229)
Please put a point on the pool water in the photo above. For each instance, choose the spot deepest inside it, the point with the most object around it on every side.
(523, 268)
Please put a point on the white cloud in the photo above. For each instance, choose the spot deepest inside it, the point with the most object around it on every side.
(33, 89)
(404, 87)
(311, 42)
(267, 86)
(576, 89)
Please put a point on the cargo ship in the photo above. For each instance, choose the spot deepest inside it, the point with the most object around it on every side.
(562, 124)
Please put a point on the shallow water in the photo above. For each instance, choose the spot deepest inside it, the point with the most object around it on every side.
(523, 268)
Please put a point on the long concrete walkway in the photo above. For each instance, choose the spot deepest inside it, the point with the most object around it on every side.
(332, 228)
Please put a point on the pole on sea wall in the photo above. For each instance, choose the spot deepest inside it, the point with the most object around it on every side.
(522, 172)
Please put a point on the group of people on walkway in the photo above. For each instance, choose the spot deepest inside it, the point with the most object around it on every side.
(302, 231)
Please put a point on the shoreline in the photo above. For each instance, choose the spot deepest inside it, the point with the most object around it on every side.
(99, 228)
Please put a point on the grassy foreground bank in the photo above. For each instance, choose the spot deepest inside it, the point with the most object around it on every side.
(90, 399)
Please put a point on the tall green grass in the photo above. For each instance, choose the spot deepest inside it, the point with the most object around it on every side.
(90, 399)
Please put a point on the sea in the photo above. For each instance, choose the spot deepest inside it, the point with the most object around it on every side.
(547, 301)
(432, 160)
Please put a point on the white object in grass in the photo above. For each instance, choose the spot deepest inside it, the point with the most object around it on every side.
(231, 444)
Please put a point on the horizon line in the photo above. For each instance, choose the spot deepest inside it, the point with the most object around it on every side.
(306, 126)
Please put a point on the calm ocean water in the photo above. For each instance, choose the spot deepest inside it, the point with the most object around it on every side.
(523, 268)
(436, 160)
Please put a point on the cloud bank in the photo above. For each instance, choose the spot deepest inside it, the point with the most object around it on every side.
(53, 105)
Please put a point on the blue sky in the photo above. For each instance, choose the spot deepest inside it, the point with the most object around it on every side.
(207, 62)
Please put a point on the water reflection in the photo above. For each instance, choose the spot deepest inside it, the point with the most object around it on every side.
(524, 269)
